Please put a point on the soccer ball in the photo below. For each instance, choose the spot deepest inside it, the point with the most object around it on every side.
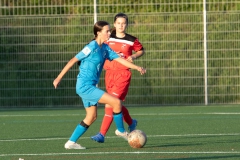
(137, 139)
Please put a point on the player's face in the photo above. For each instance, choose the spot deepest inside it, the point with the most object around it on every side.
(120, 24)
(105, 33)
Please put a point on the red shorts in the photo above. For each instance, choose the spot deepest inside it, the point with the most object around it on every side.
(117, 82)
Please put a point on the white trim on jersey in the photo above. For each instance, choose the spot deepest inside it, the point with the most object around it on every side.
(121, 41)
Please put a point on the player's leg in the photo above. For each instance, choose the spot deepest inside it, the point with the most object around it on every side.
(117, 84)
(107, 119)
(108, 116)
(117, 112)
(106, 123)
(91, 115)
(120, 87)
(132, 123)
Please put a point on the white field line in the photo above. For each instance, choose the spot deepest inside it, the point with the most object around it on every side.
(104, 153)
(140, 114)
(181, 135)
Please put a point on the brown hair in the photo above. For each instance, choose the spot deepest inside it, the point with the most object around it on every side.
(98, 26)
(119, 15)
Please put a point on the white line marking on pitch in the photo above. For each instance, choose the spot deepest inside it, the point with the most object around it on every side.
(140, 114)
(181, 135)
(82, 153)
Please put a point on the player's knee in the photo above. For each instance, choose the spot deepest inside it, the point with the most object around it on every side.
(117, 105)
(118, 102)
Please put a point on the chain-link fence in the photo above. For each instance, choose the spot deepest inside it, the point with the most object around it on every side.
(37, 38)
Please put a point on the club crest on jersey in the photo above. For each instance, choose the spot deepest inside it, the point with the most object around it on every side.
(86, 51)
(123, 46)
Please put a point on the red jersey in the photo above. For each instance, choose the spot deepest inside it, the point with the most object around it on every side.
(124, 47)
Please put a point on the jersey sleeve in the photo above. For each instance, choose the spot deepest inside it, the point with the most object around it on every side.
(137, 46)
(83, 53)
(111, 54)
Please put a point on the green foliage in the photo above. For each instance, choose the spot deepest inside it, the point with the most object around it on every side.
(173, 41)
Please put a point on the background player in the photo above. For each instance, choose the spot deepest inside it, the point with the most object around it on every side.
(118, 77)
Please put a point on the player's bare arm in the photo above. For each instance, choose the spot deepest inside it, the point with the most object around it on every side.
(131, 65)
(135, 56)
(64, 71)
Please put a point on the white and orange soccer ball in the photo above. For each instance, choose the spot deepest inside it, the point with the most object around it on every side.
(137, 139)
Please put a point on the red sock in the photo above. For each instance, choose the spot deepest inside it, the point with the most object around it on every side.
(126, 116)
(107, 120)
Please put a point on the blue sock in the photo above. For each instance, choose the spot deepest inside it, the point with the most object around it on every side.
(77, 133)
(118, 119)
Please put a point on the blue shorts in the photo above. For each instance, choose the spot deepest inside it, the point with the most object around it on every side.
(90, 94)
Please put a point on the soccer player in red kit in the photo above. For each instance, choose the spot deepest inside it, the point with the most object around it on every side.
(118, 77)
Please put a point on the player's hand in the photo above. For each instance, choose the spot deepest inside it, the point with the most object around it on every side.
(142, 70)
(56, 82)
(131, 59)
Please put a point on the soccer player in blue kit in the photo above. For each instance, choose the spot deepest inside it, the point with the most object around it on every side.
(92, 58)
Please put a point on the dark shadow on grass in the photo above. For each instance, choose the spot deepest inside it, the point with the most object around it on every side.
(172, 145)
(208, 157)
(199, 142)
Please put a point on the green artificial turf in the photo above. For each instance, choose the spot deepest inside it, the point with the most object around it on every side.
(184, 132)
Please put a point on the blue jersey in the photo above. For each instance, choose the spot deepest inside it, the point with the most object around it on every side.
(92, 59)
